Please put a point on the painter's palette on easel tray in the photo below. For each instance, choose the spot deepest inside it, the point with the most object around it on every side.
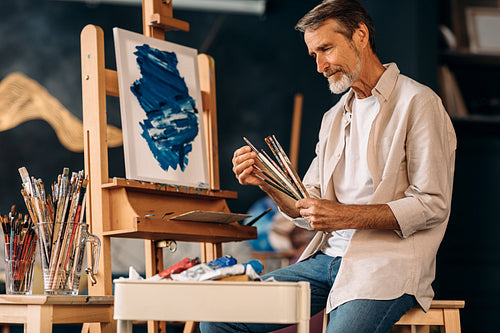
(214, 217)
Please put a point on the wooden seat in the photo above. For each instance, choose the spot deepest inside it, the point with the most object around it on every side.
(445, 314)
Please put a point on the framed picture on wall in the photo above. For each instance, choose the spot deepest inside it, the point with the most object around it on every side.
(161, 111)
(458, 16)
(483, 27)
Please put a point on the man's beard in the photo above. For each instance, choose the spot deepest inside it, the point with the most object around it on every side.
(341, 85)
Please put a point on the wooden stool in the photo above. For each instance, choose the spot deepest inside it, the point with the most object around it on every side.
(445, 314)
(39, 312)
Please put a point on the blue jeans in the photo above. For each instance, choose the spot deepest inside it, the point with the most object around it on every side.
(357, 316)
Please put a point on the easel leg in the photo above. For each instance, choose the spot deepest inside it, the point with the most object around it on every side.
(210, 251)
(154, 265)
(124, 326)
(189, 327)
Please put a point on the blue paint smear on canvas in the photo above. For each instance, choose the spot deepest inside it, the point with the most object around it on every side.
(172, 122)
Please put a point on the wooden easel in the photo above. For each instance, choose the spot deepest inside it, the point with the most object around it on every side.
(133, 209)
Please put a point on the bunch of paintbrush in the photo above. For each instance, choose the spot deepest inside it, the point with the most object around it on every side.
(20, 243)
(60, 215)
(279, 173)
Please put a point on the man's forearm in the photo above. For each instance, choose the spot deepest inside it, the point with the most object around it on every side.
(327, 215)
(371, 217)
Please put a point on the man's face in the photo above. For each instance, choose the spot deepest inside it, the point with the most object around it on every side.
(336, 56)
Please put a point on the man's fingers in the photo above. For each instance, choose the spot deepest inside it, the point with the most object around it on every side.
(241, 167)
(305, 203)
(244, 174)
(241, 151)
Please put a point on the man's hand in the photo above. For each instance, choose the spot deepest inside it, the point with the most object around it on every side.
(327, 215)
(323, 215)
(245, 164)
(244, 160)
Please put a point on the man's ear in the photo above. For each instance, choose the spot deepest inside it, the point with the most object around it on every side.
(361, 36)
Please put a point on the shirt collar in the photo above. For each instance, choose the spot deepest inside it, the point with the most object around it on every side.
(382, 89)
(387, 81)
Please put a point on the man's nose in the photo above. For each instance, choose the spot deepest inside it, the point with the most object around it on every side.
(321, 64)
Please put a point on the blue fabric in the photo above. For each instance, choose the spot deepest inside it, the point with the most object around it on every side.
(320, 270)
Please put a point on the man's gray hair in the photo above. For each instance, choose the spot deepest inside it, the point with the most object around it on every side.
(347, 13)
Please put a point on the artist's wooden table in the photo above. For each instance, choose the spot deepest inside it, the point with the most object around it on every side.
(39, 312)
(221, 301)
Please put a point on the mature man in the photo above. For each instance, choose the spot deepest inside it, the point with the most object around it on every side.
(380, 183)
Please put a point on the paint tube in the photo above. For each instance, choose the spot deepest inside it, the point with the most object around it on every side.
(180, 266)
(222, 262)
(196, 273)
(238, 269)
(176, 268)
(203, 272)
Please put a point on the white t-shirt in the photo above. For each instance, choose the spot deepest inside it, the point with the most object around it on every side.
(352, 181)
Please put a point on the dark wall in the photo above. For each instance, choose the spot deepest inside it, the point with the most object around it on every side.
(468, 266)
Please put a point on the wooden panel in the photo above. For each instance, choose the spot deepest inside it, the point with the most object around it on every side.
(157, 188)
(439, 304)
(417, 316)
(187, 231)
(112, 83)
(49, 299)
(13, 314)
(167, 23)
(76, 314)
(435, 315)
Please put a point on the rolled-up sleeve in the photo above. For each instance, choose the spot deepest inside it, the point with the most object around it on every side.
(430, 160)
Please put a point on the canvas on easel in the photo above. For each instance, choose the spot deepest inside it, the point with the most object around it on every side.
(161, 111)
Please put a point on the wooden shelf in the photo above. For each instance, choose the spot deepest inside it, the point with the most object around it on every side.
(145, 210)
(477, 125)
(478, 119)
(134, 185)
(467, 58)
(157, 229)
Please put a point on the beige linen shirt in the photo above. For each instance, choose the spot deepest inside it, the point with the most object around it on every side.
(411, 158)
